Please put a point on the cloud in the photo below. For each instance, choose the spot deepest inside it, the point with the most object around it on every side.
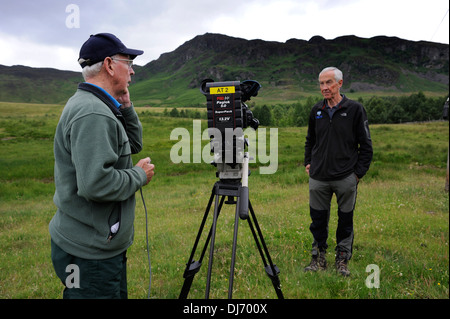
(35, 33)
(16, 50)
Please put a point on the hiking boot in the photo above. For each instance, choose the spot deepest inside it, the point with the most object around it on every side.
(318, 262)
(341, 264)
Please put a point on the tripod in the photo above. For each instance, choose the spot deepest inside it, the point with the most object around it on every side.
(232, 189)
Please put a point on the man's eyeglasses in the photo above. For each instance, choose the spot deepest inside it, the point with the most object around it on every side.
(129, 62)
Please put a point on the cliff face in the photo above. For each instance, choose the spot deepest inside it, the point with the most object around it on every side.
(368, 64)
(287, 69)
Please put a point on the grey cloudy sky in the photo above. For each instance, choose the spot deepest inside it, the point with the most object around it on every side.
(36, 33)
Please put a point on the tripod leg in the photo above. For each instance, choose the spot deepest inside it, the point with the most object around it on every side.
(271, 269)
(192, 267)
(233, 254)
(211, 251)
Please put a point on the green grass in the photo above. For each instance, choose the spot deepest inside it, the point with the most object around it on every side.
(401, 216)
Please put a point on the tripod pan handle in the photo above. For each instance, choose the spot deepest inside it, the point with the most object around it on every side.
(243, 203)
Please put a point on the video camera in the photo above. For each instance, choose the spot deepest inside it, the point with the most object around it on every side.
(228, 115)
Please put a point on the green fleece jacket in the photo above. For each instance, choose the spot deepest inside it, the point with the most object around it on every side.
(95, 179)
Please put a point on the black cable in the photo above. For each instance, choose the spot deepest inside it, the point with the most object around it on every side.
(148, 249)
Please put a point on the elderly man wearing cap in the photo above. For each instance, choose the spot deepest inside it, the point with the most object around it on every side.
(95, 179)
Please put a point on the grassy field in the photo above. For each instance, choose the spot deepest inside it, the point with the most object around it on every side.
(401, 217)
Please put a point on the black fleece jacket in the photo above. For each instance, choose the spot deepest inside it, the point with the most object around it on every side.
(340, 146)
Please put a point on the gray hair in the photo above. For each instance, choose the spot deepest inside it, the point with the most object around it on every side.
(337, 73)
(90, 71)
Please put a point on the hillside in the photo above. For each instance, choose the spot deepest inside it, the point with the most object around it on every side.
(37, 85)
(288, 71)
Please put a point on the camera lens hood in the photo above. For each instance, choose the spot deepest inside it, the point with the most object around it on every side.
(203, 86)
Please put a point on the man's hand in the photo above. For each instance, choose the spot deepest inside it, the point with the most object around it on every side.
(124, 100)
(147, 167)
(307, 167)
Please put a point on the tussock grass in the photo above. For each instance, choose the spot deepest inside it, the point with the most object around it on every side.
(401, 217)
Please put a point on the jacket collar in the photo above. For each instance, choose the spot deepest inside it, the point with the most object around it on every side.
(105, 98)
(340, 105)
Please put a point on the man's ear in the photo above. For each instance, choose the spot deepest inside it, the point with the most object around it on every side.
(109, 66)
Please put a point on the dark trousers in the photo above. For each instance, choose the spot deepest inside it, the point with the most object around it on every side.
(320, 194)
(91, 279)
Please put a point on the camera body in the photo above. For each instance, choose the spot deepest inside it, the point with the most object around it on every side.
(228, 115)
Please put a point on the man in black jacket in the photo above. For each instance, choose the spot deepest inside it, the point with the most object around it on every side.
(338, 153)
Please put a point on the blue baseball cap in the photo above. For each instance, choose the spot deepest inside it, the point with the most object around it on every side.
(103, 45)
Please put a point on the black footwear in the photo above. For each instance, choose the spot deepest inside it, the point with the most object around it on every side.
(341, 264)
(318, 262)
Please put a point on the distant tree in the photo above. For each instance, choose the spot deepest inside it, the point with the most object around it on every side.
(375, 110)
(277, 113)
(301, 114)
(263, 114)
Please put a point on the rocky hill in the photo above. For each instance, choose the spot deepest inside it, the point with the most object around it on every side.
(379, 63)
(286, 70)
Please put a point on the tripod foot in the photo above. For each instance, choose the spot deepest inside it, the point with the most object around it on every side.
(275, 280)
(269, 271)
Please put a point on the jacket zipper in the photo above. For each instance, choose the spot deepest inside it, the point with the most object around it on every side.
(112, 234)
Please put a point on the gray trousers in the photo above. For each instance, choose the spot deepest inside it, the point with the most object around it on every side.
(320, 194)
